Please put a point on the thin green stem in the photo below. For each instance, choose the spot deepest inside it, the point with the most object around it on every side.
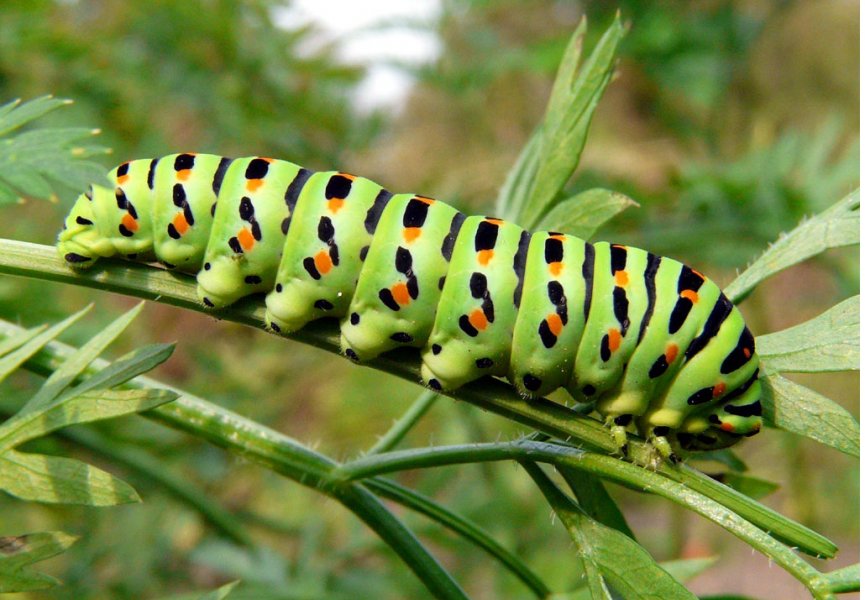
(409, 419)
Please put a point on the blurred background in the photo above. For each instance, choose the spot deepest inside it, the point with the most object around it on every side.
(729, 122)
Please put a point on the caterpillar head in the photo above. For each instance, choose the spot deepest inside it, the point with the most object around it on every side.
(725, 427)
(80, 243)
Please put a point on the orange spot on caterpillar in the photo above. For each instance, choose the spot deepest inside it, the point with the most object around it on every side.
(478, 319)
(323, 262)
(129, 222)
(425, 199)
(556, 268)
(246, 239)
(554, 322)
(621, 278)
(348, 176)
(183, 174)
(671, 353)
(400, 293)
(615, 339)
(180, 223)
(485, 256)
(121, 179)
(493, 220)
(254, 184)
(411, 233)
(558, 236)
(266, 159)
(726, 426)
(746, 352)
(691, 295)
(719, 389)
(698, 274)
(334, 204)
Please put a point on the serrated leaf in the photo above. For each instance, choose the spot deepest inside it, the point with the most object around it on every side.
(688, 568)
(801, 410)
(829, 342)
(19, 551)
(835, 227)
(85, 408)
(61, 480)
(16, 113)
(583, 214)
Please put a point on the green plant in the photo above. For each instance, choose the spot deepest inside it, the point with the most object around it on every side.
(569, 458)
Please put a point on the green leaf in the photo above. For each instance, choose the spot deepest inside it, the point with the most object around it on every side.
(801, 410)
(80, 408)
(35, 163)
(835, 227)
(583, 214)
(75, 365)
(20, 551)
(688, 568)
(221, 592)
(753, 487)
(124, 368)
(15, 114)
(829, 342)
(13, 360)
(845, 579)
(608, 555)
(535, 181)
(60, 480)
(518, 182)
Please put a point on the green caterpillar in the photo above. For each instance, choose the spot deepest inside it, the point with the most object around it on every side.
(650, 342)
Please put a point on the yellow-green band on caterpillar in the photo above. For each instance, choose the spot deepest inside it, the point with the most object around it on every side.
(650, 342)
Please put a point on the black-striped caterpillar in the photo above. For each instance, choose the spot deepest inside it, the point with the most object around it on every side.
(647, 339)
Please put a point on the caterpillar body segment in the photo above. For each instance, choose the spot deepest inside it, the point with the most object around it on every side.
(649, 342)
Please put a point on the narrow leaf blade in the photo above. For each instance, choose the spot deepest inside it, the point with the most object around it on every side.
(75, 365)
(835, 227)
(583, 214)
(84, 408)
(829, 342)
(60, 480)
(798, 409)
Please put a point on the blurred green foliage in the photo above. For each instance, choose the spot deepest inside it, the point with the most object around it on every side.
(729, 122)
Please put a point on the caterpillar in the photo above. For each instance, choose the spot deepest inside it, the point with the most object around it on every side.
(653, 345)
